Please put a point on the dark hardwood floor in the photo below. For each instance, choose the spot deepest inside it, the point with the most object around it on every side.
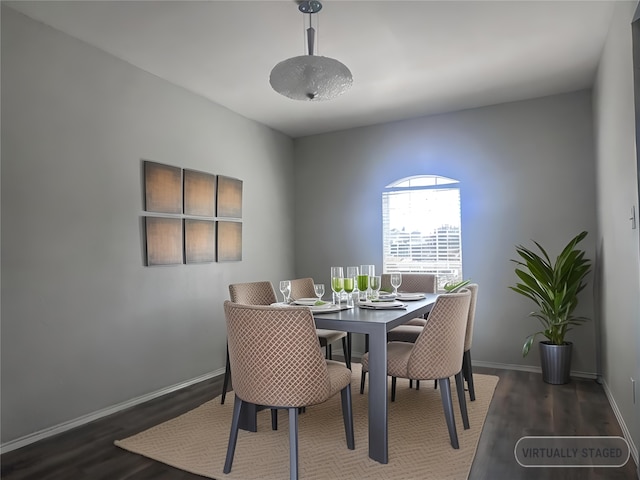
(522, 405)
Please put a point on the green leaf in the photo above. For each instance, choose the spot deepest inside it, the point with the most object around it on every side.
(527, 345)
(455, 286)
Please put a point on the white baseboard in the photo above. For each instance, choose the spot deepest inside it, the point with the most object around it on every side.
(502, 366)
(527, 368)
(625, 430)
(63, 427)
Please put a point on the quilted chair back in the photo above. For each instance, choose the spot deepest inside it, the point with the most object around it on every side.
(302, 288)
(473, 288)
(437, 352)
(254, 293)
(412, 283)
(275, 355)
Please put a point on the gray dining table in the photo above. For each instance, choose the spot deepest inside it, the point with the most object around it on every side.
(376, 324)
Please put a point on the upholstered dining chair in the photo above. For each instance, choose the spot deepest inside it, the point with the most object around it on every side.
(411, 283)
(277, 362)
(303, 288)
(467, 368)
(436, 354)
(252, 293)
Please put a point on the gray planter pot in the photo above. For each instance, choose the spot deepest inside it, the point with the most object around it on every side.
(555, 361)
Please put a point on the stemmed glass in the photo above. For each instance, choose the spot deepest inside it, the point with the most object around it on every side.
(363, 280)
(285, 290)
(396, 281)
(374, 285)
(337, 283)
(319, 289)
(350, 284)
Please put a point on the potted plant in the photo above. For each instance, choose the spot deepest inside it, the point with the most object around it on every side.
(554, 288)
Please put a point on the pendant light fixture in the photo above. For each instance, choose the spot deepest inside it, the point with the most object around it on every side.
(310, 77)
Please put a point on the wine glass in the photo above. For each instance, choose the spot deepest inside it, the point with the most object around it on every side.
(363, 280)
(337, 283)
(374, 285)
(350, 284)
(285, 290)
(396, 281)
(319, 289)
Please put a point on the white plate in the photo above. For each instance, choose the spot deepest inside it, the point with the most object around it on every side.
(382, 305)
(327, 308)
(406, 296)
(307, 301)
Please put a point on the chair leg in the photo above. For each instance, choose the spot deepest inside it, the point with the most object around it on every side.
(435, 384)
(347, 353)
(417, 384)
(347, 415)
(274, 419)
(410, 383)
(329, 353)
(293, 443)
(233, 435)
(447, 405)
(462, 399)
(393, 389)
(468, 374)
(227, 374)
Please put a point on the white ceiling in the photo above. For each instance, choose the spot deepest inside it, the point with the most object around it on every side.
(408, 58)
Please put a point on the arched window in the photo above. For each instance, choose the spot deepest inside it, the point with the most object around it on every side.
(421, 227)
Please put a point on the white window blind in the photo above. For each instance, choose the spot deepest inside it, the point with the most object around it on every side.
(421, 227)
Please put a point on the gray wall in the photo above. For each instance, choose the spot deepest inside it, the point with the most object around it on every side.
(527, 172)
(85, 325)
(619, 275)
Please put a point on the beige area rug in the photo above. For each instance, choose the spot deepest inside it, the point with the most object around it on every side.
(419, 445)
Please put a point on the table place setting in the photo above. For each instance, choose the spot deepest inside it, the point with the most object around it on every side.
(315, 307)
(359, 287)
(319, 306)
(410, 296)
(362, 287)
(382, 304)
(328, 308)
(309, 302)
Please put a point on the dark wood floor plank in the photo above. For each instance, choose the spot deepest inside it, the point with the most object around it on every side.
(522, 405)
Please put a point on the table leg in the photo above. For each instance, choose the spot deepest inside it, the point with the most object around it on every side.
(378, 408)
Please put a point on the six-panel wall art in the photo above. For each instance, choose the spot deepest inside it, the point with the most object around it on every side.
(201, 219)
